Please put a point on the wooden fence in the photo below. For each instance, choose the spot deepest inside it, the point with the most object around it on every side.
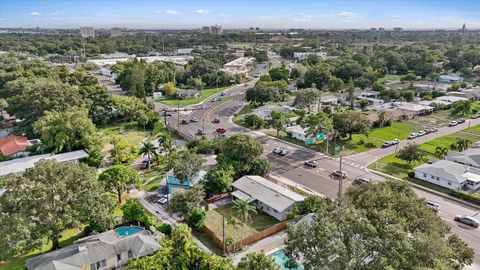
(249, 240)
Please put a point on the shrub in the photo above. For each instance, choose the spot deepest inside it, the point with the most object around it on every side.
(411, 174)
(464, 196)
(370, 145)
(360, 142)
(164, 228)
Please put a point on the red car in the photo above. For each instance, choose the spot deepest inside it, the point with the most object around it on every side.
(221, 130)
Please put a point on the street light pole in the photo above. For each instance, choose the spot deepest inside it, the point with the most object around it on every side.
(340, 181)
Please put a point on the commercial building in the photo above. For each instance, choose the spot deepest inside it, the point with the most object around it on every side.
(116, 32)
(87, 32)
(179, 60)
(448, 174)
(20, 165)
(239, 66)
(109, 250)
(273, 199)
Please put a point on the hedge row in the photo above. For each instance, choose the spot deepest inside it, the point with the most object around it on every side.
(465, 196)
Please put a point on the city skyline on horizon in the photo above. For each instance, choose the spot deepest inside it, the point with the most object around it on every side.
(240, 14)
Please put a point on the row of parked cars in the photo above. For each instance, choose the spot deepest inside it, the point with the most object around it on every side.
(456, 122)
(420, 133)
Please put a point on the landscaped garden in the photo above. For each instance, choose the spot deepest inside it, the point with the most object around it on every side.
(206, 93)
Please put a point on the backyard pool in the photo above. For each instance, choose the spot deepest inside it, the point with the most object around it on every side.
(125, 231)
(280, 258)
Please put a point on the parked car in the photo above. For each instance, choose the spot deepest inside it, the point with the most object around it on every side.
(185, 122)
(216, 120)
(193, 119)
(433, 205)
(280, 151)
(395, 141)
(165, 199)
(311, 163)
(421, 133)
(203, 107)
(387, 144)
(221, 130)
(339, 174)
(144, 164)
(412, 135)
(201, 132)
(452, 123)
(461, 120)
(475, 116)
(468, 220)
(360, 181)
(431, 130)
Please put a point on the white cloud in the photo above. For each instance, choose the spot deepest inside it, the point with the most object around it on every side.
(202, 11)
(34, 13)
(171, 12)
(345, 14)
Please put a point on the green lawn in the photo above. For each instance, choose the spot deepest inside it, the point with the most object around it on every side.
(130, 132)
(18, 263)
(258, 222)
(190, 101)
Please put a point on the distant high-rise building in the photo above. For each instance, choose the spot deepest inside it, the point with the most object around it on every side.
(373, 29)
(397, 29)
(206, 29)
(216, 29)
(87, 32)
(116, 32)
(381, 29)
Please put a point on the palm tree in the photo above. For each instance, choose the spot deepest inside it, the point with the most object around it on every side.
(382, 117)
(463, 144)
(244, 210)
(165, 141)
(233, 221)
(149, 150)
(441, 152)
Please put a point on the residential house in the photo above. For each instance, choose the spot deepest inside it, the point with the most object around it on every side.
(448, 174)
(265, 111)
(6, 127)
(417, 109)
(190, 93)
(372, 101)
(469, 157)
(300, 56)
(273, 199)
(297, 132)
(20, 165)
(465, 94)
(14, 146)
(451, 99)
(328, 100)
(109, 250)
(174, 184)
(450, 79)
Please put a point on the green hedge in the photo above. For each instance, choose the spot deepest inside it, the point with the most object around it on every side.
(465, 196)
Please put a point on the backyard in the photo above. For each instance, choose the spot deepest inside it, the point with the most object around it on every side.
(130, 132)
(259, 221)
(206, 93)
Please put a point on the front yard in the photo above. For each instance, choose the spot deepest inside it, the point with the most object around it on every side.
(206, 93)
(259, 221)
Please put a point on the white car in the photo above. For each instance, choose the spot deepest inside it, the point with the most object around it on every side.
(412, 135)
(387, 144)
(435, 206)
(452, 123)
(280, 151)
(165, 199)
(395, 141)
(421, 133)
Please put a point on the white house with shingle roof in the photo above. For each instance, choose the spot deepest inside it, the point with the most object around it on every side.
(103, 251)
(469, 157)
(448, 174)
(273, 199)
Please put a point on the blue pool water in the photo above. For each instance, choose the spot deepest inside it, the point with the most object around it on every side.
(280, 258)
(124, 231)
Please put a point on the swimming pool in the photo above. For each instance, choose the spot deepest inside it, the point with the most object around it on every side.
(280, 258)
(125, 231)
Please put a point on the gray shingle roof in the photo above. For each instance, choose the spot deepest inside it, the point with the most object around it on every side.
(19, 165)
(470, 157)
(448, 170)
(267, 192)
(98, 247)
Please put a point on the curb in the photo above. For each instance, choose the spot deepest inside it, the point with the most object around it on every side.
(440, 194)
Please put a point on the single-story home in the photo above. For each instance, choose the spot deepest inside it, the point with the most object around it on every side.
(450, 79)
(448, 174)
(173, 184)
(369, 94)
(328, 100)
(190, 93)
(109, 250)
(14, 146)
(451, 99)
(469, 157)
(273, 199)
(433, 102)
(297, 132)
(20, 165)
(372, 101)
(265, 111)
(417, 109)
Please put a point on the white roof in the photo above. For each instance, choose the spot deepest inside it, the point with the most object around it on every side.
(450, 98)
(296, 129)
(267, 192)
(472, 177)
(451, 171)
(20, 165)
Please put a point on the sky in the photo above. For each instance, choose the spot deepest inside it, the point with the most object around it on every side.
(183, 14)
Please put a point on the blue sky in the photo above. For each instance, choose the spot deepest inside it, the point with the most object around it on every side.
(328, 14)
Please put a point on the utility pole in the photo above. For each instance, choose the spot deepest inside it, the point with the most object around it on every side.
(340, 181)
(203, 124)
(224, 225)
(178, 114)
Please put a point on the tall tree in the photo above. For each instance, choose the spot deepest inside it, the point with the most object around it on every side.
(149, 150)
(462, 144)
(119, 178)
(243, 210)
(411, 152)
(184, 201)
(47, 199)
(186, 165)
(277, 121)
(334, 84)
(167, 144)
(441, 152)
(219, 179)
(66, 131)
(351, 91)
(257, 260)
(123, 152)
(379, 226)
(351, 122)
(462, 107)
(317, 123)
(279, 73)
(306, 98)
